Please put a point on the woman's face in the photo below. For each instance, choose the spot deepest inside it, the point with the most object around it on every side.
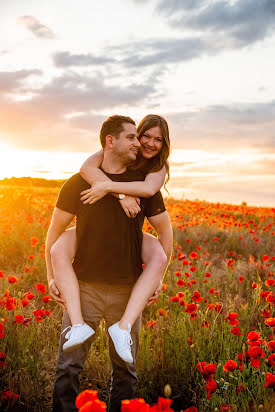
(151, 142)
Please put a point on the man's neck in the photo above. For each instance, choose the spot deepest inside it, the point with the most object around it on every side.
(112, 164)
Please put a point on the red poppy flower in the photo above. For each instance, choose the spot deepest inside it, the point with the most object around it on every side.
(39, 314)
(235, 330)
(46, 298)
(174, 299)
(9, 396)
(270, 380)
(193, 269)
(232, 318)
(29, 296)
(151, 323)
(19, 319)
(11, 303)
(193, 255)
(218, 308)
(162, 405)
(178, 273)
(24, 303)
(34, 241)
(270, 361)
(255, 352)
(205, 324)
(200, 366)
(265, 258)
(180, 256)
(85, 396)
(134, 405)
(2, 275)
(210, 368)
(230, 366)
(254, 285)
(265, 313)
(207, 274)
(180, 282)
(12, 279)
(182, 302)
(196, 296)
(271, 345)
(241, 278)
(93, 406)
(269, 282)
(41, 288)
(2, 360)
(191, 409)
(180, 294)
(270, 321)
(191, 308)
(211, 387)
(253, 336)
(163, 312)
(47, 312)
(2, 327)
(31, 257)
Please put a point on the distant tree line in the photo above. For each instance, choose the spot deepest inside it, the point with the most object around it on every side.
(32, 181)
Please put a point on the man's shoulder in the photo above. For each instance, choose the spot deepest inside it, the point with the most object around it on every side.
(76, 180)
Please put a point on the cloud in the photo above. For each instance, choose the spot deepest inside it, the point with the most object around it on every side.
(223, 126)
(66, 111)
(38, 29)
(12, 81)
(240, 23)
(66, 59)
(162, 51)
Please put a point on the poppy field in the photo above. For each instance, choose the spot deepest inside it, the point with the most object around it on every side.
(210, 335)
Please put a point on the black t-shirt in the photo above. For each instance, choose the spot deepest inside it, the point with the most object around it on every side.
(108, 242)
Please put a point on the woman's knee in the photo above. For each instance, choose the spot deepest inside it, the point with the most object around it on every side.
(157, 257)
(62, 250)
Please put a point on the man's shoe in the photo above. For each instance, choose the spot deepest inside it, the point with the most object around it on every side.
(122, 341)
(77, 335)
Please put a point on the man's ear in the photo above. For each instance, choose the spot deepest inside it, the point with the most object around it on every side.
(109, 141)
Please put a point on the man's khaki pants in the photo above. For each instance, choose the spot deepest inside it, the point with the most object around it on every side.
(97, 301)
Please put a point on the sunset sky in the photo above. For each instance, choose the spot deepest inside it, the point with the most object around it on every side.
(206, 66)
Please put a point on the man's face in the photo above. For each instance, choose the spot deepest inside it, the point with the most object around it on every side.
(126, 146)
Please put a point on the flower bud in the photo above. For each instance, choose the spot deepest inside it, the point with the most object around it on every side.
(167, 391)
(221, 380)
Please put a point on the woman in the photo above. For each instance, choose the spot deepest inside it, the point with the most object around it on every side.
(153, 134)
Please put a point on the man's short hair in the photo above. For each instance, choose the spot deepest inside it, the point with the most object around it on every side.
(113, 126)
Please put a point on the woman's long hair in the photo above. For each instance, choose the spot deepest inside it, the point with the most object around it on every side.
(156, 163)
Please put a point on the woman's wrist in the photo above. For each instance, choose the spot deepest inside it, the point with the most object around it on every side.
(109, 186)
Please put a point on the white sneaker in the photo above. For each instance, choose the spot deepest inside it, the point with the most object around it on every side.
(122, 341)
(77, 335)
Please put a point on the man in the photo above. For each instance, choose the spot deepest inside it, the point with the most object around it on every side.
(107, 262)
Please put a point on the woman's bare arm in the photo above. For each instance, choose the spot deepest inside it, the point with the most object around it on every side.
(145, 188)
(152, 183)
(90, 169)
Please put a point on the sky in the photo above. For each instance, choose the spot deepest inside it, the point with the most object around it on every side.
(207, 66)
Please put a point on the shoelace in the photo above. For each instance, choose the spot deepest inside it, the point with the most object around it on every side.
(128, 340)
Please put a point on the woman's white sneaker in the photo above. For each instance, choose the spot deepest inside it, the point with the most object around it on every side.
(77, 335)
(122, 341)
